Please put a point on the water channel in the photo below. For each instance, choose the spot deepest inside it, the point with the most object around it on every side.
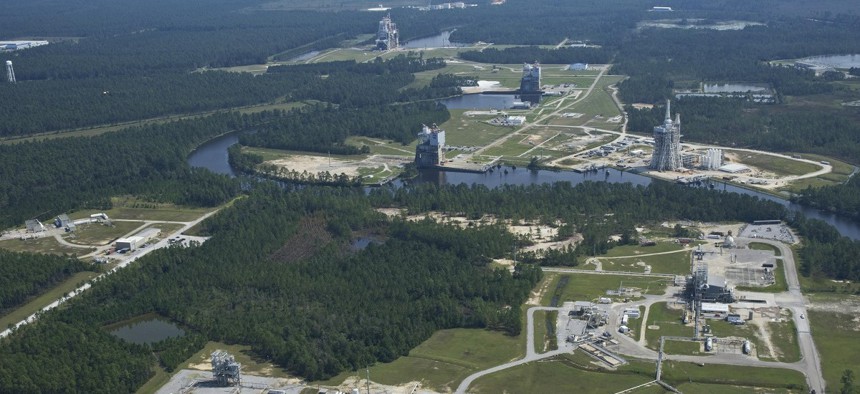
(835, 61)
(440, 40)
(213, 156)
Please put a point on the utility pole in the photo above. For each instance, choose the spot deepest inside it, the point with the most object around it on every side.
(367, 369)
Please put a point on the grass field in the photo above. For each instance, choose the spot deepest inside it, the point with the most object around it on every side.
(128, 207)
(728, 389)
(100, 234)
(669, 321)
(835, 336)
(680, 372)
(626, 257)
(778, 165)
(587, 287)
(841, 172)
(445, 359)
(555, 376)
(684, 347)
(462, 130)
(383, 147)
(47, 245)
(763, 246)
(42, 300)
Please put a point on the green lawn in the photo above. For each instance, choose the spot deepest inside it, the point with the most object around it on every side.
(684, 347)
(587, 287)
(462, 130)
(47, 245)
(676, 373)
(669, 322)
(100, 234)
(728, 389)
(763, 246)
(556, 376)
(835, 336)
(778, 165)
(128, 207)
(42, 300)
(784, 337)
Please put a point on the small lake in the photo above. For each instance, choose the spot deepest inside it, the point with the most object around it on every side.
(148, 330)
(480, 101)
(733, 88)
(305, 56)
(440, 40)
(834, 61)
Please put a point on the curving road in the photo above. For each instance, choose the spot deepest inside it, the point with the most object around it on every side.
(125, 262)
(531, 354)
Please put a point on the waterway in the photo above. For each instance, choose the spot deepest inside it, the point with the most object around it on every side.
(835, 61)
(441, 40)
(149, 330)
(213, 156)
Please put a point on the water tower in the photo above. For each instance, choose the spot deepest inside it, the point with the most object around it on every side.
(10, 72)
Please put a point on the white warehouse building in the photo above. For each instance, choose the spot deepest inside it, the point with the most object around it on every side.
(135, 241)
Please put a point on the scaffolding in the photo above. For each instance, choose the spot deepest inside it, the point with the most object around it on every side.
(667, 143)
(225, 369)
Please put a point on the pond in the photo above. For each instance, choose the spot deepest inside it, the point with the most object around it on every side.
(440, 40)
(480, 101)
(835, 61)
(147, 329)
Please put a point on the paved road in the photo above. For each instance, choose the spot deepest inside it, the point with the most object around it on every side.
(531, 354)
(125, 262)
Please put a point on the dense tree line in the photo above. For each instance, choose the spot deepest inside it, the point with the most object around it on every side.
(64, 174)
(41, 106)
(324, 129)
(843, 199)
(333, 311)
(23, 275)
(529, 54)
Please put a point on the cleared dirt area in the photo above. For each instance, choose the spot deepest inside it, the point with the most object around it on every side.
(338, 165)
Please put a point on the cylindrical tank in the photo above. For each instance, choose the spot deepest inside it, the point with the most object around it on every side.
(709, 344)
(747, 347)
(624, 320)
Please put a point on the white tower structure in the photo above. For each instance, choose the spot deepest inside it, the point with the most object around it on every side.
(712, 159)
(667, 143)
(387, 36)
(10, 72)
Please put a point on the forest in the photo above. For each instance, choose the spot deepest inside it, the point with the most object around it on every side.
(47, 178)
(843, 199)
(307, 301)
(23, 275)
(332, 310)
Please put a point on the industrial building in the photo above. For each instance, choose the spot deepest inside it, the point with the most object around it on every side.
(225, 369)
(429, 152)
(34, 226)
(735, 168)
(63, 221)
(18, 45)
(135, 241)
(387, 37)
(667, 143)
(530, 83)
